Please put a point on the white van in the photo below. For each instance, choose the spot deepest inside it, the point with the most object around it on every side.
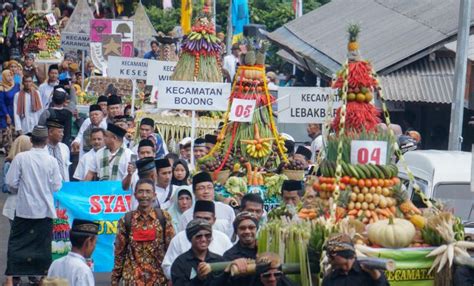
(445, 176)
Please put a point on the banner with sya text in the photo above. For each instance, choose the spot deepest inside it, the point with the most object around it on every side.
(102, 202)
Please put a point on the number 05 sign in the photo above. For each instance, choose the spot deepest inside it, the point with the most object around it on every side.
(242, 110)
(365, 152)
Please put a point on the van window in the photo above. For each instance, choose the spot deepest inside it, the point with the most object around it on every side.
(457, 197)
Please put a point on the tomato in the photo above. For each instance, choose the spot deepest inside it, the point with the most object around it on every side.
(346, 180)
(322, 179)
(316, 186)
(386, 183)
(323, 187)
(342, 186)
(330, 188)
(381, 182)
(353, 181)
(368, 183)
(396, 180)
(361, 183)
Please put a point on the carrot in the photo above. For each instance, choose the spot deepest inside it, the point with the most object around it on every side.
(375, 216)
(255, 176)
(248, 166)
(257, 134)
(368, 213)
(260, 180)
(384, 212)
(371, 220)
(352, 212)
(360, 212)
(393, 210)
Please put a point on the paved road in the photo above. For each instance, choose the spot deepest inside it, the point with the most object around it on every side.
(101, 279)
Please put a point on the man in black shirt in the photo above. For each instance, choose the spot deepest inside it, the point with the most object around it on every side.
(58, 112)
(345, 269)
(191, 267)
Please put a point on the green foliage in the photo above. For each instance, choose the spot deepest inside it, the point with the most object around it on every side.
(163, 20)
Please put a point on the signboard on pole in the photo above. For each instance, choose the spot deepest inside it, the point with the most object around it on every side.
(132, 68)
(193, 95)
(159, 71)
(75, 41)
(305, 104)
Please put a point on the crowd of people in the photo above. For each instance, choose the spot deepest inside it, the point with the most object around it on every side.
(176, 227)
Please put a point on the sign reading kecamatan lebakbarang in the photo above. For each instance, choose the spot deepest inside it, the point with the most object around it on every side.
(193, 95)
(131, 68)
(306, 104)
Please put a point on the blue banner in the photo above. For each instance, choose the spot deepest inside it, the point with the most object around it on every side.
(102, 202)
(240, 18)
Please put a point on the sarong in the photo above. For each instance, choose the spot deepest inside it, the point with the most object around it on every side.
(29, 247)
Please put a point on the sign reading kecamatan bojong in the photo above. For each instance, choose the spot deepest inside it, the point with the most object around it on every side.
(190, 95)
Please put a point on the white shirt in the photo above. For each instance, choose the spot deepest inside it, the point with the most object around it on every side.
(65, 155)
(162, 194)
(81, 169)
(73, 268)
(35, 174)
(80, 135)
(31, 118)
(180, 244)
(230, 65)
(225, 216)
(316, 146)
(45, 90)
(95, 165)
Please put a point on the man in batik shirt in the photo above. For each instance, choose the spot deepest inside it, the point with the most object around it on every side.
(142, 239)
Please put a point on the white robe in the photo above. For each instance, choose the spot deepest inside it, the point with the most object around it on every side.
(80, 135)
(180, 244)
(74, 269)
(46, 90)
(81, 169)
(65, 156)
(95, 165)
(31, 118)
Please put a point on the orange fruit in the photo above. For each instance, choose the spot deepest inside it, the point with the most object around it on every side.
(381, 182)
(316, 186)
(361, 183)
(346, 180)
(368, 97)
(375, 182)
(360, 97)
(353, 181)
(396, 180)
(368, 183)
(342, 186)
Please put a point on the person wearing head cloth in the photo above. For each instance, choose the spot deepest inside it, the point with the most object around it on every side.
(180, 173)
(46, 88)
(200, 150)
(58, 111)
(8, 89)
(35, 176)
(82, 142)
(143, 236)
(190, 268)
(111, 162)
(269, 271)
(97, 137)
(220, 243)
(146, 149)
(164, 188)
(292, 191)
(56, 148)
(182, 200)
(203, 189)
(73, 267)
(147, 131)
(114, 107)
(345, 269)
(27, 106)
(211, 141)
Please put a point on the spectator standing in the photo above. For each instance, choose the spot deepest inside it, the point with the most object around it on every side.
(314, 132)
(27, 106)
(180, 173)
(30, 69)
(96, 119)
(154, 54)
(142, 239)
(56, 148)
(231, 61)
(9, 30)
(34, 175)
(147, 130)
(58, 111)
(8, 89)
(46, 89)
(182, 200)
(97, 141)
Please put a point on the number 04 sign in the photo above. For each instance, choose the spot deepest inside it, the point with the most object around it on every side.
(365, 152)
(242, 110)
